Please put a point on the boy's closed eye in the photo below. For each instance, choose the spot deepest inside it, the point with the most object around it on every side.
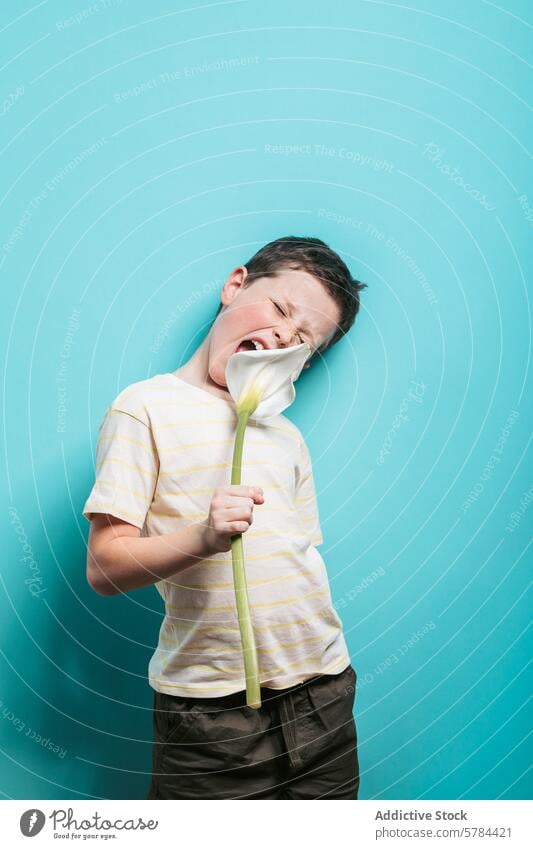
(300, 337)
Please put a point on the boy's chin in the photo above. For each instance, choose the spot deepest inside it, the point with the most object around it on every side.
(217, 375)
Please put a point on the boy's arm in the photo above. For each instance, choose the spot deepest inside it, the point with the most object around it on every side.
(127, 466)
(119, 559)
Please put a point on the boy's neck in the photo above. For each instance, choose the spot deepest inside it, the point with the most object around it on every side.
(195, 371)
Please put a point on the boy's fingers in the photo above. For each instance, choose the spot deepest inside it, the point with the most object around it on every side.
(236, 507)
(249, 491)
(236, 515)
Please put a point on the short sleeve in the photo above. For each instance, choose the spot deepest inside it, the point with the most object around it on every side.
(127, 466)
(306, 503)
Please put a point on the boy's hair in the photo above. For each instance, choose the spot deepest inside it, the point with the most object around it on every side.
(305, 253)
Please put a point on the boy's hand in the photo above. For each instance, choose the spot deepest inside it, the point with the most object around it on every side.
(230, 513)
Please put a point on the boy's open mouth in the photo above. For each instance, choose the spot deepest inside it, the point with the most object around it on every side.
(251, 344)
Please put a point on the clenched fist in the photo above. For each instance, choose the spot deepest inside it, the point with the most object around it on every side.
(230, 513)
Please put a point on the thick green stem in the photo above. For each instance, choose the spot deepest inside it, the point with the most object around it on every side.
(249, 651)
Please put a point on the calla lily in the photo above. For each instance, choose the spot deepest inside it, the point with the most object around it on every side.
(262, 381)
(261, 385)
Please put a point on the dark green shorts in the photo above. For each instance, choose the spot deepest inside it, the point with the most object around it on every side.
(300, 744)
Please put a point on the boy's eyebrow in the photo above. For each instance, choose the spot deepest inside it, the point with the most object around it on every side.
(305, 326)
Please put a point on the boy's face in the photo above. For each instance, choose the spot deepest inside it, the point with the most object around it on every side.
(280, 311)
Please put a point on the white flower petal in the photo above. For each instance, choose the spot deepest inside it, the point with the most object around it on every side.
(269, 375)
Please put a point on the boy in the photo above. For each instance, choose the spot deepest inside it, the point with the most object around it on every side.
(162, 512)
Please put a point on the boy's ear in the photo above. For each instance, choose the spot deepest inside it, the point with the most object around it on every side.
(235, 281)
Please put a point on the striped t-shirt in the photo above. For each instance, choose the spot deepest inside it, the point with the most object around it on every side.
(163, 446)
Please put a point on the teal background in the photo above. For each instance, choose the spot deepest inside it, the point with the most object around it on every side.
(128, 197)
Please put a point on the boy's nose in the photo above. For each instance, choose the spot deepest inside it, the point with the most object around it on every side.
(284, 336)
